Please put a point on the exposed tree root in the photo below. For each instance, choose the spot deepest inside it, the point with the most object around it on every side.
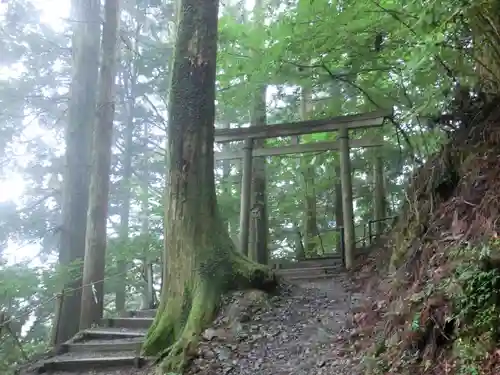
(176, 356)
(191, 308)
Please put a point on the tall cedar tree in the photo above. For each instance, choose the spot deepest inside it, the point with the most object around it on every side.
(201, 261)
(85, 45)
(95, 246)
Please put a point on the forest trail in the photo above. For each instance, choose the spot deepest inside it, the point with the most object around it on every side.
(304, 330)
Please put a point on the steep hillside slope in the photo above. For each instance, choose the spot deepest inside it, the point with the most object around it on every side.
(438, 311)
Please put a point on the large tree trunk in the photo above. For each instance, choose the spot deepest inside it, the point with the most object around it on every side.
(95, 244)
(201, 260)
(86, 38)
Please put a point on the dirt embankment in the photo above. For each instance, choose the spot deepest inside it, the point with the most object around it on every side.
(437, 308)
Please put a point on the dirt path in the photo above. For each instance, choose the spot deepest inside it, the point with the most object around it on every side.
(303, 331)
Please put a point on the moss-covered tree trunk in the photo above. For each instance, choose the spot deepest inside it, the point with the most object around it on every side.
(201, 260)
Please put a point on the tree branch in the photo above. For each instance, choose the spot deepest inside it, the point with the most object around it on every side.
(343, 78)
(449, 72)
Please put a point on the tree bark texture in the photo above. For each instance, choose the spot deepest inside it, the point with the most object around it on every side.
(95, 243)
(201, 260)
(308, 172)
(258, 250)
(85, 45)
(259, 231)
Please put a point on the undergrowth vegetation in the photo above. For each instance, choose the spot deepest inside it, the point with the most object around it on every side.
(439, 310)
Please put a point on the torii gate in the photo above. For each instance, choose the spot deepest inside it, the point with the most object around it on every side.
(342, 124)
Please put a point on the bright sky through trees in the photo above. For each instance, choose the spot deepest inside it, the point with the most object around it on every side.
(54, 13)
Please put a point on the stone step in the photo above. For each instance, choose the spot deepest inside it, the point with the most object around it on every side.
(132, 345)
(149, 313)
(309, 270)
(132, 323)
(103, 333)
(302, 278)
(312, 263)
(72, 362)
(309, 273)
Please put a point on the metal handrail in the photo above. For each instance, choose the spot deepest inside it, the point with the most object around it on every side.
(367, 226)
(373, 221)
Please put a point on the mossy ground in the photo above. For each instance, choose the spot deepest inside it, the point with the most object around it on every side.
(439, 310)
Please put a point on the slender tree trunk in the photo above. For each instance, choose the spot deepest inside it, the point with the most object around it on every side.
(95, 244)
(86, 38)
(308, 170)
(147, 292)
(120, 296)
(259, 233)
(259, 223)
(202, 261)
(129, 82)
(339, 212)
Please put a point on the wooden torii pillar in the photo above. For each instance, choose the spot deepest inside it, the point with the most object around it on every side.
(347, 206)
(246, 198)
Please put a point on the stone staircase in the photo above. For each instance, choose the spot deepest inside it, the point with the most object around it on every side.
(310, 269)
(117, 341)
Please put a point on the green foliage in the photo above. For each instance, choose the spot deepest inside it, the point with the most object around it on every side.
(478, 302)
(327, 46)
(415, 324)
(474, 290)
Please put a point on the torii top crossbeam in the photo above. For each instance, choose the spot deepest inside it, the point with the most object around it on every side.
(359, 121)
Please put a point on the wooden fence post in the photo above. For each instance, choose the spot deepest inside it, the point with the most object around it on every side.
(57, 319)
